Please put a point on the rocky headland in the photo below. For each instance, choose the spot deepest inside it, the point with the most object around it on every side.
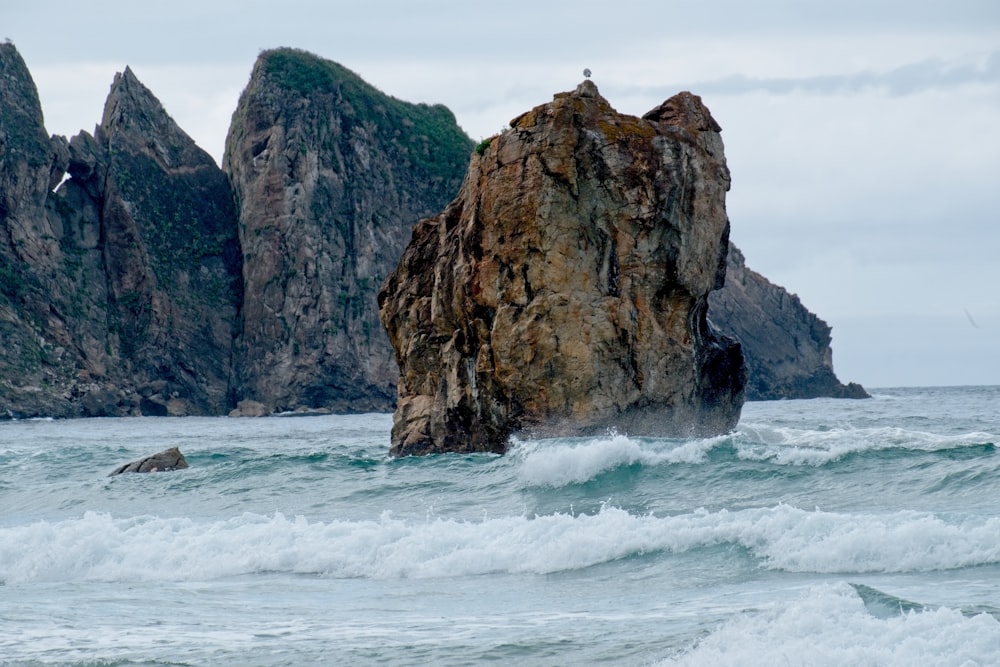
(139, 277)
(329, 176)
(565, 289)
(121, 283)
(786, 347)
(150, 281)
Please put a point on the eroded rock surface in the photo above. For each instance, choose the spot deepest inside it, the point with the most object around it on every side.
(564, 291)
(121, 270)
(165, 461)
(118, 290)
(171, 258)
(330, 175)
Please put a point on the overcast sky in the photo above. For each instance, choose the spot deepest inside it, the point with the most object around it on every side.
(863, 135)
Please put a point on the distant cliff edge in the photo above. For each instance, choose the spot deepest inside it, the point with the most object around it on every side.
(786, 347)
(120, 288)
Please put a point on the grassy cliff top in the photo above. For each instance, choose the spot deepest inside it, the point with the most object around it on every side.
(429, 133)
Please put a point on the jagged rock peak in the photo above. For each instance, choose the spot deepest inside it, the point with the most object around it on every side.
(31, 164)
(426, 136)
(564, 290)
(132, 110)
(22, 132)
(684, 109)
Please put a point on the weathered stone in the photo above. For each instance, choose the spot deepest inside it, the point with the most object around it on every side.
(171, 252)
(100, 403)
(330, 176)
(787, 348)
(33, 281)
(167, 460)
(564, 290)
(128, 274)
(153, 406)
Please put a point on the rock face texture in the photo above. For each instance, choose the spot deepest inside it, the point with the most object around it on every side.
(119, 290)
(31, 164)
(564, 291)
(786, 347)
(124, 290)
(330, 175)
(165, 461)
(170, 255)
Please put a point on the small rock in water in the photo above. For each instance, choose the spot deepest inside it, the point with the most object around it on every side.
(168, 459)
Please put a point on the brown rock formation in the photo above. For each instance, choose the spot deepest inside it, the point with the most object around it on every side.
(330, 176)
(564, 291)
(165, 461)
(786, 347)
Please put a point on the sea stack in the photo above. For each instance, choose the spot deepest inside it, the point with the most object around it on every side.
(564, 291)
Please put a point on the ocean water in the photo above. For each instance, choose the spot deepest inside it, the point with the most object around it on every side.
(820, 532)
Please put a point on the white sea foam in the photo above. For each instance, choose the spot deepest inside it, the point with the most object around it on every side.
(790, 446)
(830, 626)
(98, 547)
(556, 464)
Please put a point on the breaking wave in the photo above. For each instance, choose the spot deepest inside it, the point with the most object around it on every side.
(557, 463)
(832, 625)
(561, 462)
(99, 547)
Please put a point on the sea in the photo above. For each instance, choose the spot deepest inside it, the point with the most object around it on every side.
(819, 532)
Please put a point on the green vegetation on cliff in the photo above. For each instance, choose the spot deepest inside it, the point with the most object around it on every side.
(427, 135)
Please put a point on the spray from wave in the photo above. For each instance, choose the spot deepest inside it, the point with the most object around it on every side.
(557, 463)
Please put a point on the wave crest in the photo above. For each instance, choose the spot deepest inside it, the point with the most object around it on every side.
(555, 463)
(99, 547)
(831, 626)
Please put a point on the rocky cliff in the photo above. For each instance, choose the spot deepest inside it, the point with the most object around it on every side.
(786, 347)
(330, 175)
(122, 283)
(31, 164)
(564, 291)
(121, 287)
(170, 254)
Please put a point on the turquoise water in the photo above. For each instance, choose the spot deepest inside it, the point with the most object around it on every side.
(821, 532)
